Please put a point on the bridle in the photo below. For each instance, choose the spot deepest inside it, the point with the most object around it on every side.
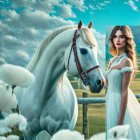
(83, 74)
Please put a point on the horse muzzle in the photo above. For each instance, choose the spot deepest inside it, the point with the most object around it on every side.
(97, 86)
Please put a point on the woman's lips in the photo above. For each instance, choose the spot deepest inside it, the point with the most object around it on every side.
(118, 43)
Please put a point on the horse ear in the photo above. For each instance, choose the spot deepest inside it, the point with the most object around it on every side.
(80, 24)
(90, 25)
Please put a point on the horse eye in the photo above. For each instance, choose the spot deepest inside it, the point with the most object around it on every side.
(83, 51)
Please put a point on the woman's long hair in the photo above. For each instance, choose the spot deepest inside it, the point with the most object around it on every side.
(130, 44)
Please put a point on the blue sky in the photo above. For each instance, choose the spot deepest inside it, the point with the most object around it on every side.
(25, 23)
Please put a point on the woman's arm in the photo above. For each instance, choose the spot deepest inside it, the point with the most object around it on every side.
(126, 78)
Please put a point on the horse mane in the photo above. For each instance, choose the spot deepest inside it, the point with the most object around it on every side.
(85, 33)
(88, 37)
(44, 44)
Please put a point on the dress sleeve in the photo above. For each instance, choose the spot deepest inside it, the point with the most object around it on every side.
(126, 69)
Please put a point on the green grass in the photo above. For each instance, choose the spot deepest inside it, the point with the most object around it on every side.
(96, 119)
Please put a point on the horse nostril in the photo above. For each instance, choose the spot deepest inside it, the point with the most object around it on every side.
(7, 86)
(115, 134)
(98, 82)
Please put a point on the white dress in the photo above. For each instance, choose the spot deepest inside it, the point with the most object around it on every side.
(113, 99)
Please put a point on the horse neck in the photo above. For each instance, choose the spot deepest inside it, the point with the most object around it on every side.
(52, 60)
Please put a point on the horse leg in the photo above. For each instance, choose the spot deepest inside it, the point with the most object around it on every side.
(28, 135)
(51, 125)
(21, 138)
(32, 130)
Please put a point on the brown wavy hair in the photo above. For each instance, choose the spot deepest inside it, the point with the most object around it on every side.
(130, 44)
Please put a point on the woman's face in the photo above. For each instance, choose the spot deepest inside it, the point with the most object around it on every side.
(119, 39)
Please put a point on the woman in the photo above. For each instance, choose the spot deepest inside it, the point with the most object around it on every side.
(121, 105)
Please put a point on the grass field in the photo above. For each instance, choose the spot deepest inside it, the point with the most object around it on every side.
(96, 113)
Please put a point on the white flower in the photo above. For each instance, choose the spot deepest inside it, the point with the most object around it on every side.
(100, 136)
(3, 127)
(15, 119)
(12, 137)
(23, 124)
(67, 135)
(121, 132)
(2, 138)
(12, 120)
(16, 75)
(7, 100)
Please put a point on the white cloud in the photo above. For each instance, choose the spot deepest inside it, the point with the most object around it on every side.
(109, 30)
(11, 41)
(32, 31)
(10, 38)
(37, 19)
(17, 3)
(3, 1)
(99, 5)
(44, 5)
(66, 11)
(10, 14)
(4, 28)
(102, 4)
(79, 4)
(29, 33)
(23, 54)
(92, 7)
(132, 5)
(92, 13)
(101, 49)
(106, 1)
(31, 24)
(26, 30)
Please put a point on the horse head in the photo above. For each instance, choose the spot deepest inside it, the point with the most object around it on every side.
(81, 58)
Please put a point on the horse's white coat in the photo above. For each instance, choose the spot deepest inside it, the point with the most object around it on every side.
(50, 103)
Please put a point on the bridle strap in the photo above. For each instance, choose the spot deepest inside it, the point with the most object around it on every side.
(69, 59)
(83, 74)
(91, 69)
(73, 43)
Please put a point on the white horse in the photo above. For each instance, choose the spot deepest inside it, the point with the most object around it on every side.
(50, 103)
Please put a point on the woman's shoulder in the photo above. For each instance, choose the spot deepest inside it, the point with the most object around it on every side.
(127, 65)
(127, 62)
(112, 59)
